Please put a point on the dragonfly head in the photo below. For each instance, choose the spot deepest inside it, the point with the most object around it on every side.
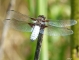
(42, 17)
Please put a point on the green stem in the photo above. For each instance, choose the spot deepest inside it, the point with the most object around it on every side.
(75, 16)
(41, 9)
(31, 6)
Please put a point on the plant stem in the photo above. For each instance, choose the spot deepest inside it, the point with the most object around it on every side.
(41, 9)
(75, 16)
(6, 26)
(31, 6)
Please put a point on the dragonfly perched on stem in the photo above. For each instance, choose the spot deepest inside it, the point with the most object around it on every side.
(36, 25)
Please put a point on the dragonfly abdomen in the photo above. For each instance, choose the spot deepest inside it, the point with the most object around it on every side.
(35, 32)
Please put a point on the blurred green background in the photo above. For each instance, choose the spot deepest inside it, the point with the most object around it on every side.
(17, 44)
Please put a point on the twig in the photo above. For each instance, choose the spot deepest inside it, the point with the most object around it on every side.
(39, 43)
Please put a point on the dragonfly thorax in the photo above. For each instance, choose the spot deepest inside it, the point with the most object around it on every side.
(40, 20)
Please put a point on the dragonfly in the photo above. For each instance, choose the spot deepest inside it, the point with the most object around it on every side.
(25, 23)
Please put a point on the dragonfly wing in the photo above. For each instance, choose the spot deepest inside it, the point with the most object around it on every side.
(57, 31)
(62, 23)
(20, 25)
(20, 17)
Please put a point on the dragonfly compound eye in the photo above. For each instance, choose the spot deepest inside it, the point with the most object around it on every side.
(42, 16)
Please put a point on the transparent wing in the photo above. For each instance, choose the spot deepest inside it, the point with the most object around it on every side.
(20, 25)
(62, 23)
(56, 31)
(20, 17)
(20, 22)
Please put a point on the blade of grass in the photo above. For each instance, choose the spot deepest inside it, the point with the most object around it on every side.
(31, 6)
